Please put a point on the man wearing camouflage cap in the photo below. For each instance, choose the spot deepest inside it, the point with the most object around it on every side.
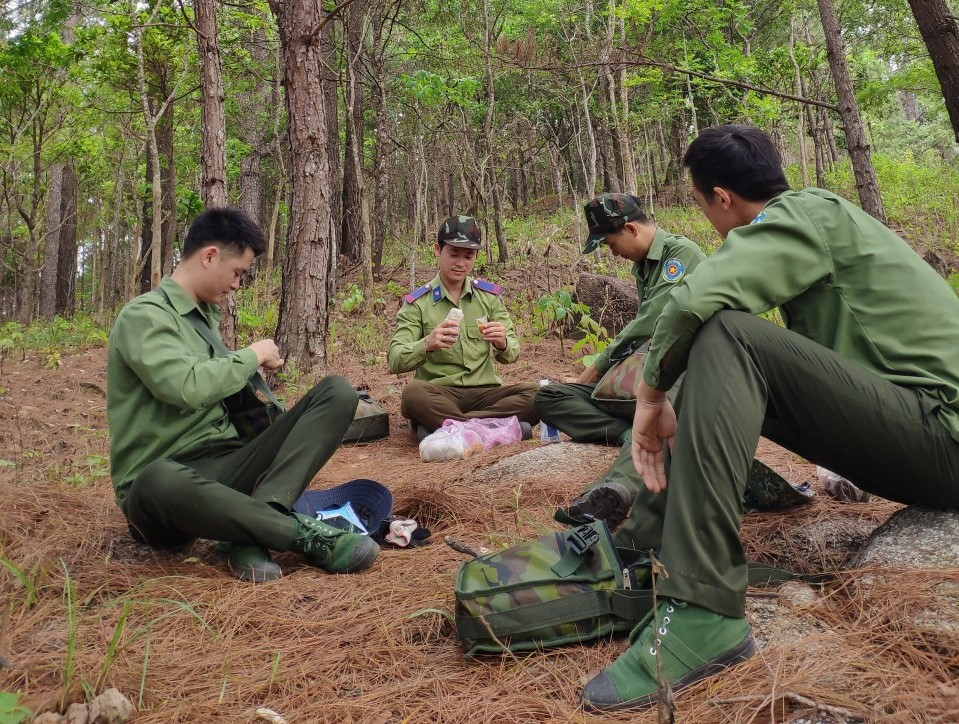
(453, 358)
(661, 261)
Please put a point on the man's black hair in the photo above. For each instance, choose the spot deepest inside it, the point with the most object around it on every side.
(226, 227)
(741, 159)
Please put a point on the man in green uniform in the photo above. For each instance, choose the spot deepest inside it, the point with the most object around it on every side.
(660, 261)
(453, 358)
(864, 380)
(179, 469)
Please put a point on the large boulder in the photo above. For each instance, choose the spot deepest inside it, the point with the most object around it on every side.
(921, 540)
(612, 302)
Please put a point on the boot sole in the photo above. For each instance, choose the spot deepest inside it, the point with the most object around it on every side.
(604, 503)
(742, 652)
(254, 575)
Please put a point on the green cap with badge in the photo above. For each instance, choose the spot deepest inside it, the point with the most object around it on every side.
(607, 213)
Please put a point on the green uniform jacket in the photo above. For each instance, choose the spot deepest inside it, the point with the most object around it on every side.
(164, 386)
(467, 363)
(669, 259)
(839, 278)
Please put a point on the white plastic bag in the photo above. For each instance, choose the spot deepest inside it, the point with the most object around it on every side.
(450, 443)
(840, 488)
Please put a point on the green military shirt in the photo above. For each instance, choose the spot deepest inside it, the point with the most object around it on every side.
(839, 278)
(669, 259)
(164, 385)
(467, 363)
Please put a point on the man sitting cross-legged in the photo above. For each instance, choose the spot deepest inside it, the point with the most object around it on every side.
(179, 469)
(453, 355)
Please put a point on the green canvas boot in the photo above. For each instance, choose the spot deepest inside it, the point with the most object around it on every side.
(250, 563)
(692, 643)
(332, 549)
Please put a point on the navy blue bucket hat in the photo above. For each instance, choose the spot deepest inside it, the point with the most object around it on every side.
(370, 500)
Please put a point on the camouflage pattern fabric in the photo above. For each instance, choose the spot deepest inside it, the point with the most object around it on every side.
(562, 588)
(615, 393)
(460, 231)
(607, 213)
(767, 490)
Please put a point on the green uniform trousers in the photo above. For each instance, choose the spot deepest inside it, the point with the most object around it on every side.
(242, 492)
(570, 408)
(747, 377)
(430, 404)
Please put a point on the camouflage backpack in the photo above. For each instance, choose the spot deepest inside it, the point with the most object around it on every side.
(565, 587)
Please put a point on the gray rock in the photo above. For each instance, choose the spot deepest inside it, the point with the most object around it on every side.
(820, 545)
(917, 538)
(77, 714)
(111, 707)
(612, 302)
(913, 537)
(50, 717)
(549, 461)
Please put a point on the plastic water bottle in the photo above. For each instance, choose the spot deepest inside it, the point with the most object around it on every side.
(547, 433)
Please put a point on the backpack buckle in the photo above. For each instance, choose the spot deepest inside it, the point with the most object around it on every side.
(582, 539)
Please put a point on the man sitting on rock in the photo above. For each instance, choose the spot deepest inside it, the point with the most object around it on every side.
(449, 330)
(180, 470)
(660, 261)
(863, 379)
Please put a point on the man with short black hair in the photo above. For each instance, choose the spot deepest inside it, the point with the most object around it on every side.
(449, 330)
(863, 380)
(180, 470)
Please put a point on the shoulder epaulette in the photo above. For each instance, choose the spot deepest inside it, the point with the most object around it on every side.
(486, 286)
(416, 294)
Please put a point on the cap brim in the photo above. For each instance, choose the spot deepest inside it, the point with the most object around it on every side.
(372, 501)
(593, 241)
(463, 243)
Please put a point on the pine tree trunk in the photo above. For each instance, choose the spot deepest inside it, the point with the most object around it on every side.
(308, 266)
(51, 243)
(856, 143)
(67, 258)
(939, 30)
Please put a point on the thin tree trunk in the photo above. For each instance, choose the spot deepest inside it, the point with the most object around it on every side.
(51, 243)
(66, 296)
(856, 143)
(212, 98)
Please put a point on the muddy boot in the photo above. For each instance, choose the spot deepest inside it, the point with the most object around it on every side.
(250, 563)
(610, 502)
(332, 549)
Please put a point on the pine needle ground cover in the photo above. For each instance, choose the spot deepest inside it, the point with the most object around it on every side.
(84, 608)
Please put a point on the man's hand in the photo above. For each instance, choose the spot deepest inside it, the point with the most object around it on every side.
(654, 422)
(495, 334)
(267, 354)
(589, 376)
(443, 336)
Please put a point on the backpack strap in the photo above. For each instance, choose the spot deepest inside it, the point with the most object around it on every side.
(216, 344)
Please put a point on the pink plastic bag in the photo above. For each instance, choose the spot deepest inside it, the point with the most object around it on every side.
(493, 431)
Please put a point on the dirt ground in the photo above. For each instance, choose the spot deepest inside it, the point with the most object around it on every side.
(187, 642)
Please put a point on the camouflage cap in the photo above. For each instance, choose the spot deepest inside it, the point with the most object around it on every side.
(462, 231)
(603, 216)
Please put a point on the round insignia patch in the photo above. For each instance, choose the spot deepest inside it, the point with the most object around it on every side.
(673, 270)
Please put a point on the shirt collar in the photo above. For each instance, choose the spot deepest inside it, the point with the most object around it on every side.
(467, 287)
(183, 303)
(656, 249)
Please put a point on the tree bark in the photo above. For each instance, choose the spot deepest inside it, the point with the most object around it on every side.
(940, 33)
(304, 306)
(856, 143)
(51, 243)
(212, 116)
(213, 146)
(66, 296)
